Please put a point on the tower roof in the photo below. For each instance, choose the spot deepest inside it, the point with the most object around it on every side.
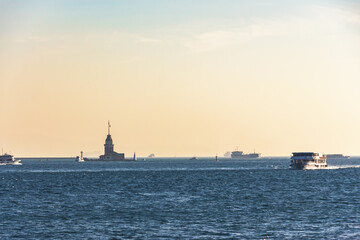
(108, 139)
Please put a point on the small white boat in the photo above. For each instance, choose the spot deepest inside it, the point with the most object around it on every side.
(194, 158)
(7, 159)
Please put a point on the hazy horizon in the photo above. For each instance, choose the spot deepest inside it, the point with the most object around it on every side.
(179, 78)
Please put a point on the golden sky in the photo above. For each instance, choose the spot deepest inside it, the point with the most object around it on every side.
(179, 78)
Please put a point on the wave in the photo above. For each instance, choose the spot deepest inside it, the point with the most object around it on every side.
(160, 169)
(127, 170)
(342, 166)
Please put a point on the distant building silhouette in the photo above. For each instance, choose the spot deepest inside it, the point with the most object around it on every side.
(109, 153)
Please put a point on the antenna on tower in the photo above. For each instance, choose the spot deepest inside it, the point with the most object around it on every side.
(109, 127)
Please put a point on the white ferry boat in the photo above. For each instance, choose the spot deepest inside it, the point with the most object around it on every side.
(8, 159)
(308, 160)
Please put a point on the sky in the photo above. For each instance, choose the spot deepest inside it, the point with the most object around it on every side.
(179, 78)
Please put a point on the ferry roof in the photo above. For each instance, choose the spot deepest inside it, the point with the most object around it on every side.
(307, 154)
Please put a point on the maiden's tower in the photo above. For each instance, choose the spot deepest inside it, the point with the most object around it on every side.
(110, 154)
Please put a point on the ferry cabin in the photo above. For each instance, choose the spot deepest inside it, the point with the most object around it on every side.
(308, 160)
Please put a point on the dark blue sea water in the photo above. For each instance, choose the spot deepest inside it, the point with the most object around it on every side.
(179, 199)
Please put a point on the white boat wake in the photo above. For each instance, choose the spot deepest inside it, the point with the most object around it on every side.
(342, 166)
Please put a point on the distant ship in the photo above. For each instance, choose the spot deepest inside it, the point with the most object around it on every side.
(241, 155)
(337, 156)
(308, 160)
(194, 158)
(7, 159)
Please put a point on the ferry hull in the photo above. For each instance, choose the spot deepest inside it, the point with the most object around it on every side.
(17, 162)
(307, 166)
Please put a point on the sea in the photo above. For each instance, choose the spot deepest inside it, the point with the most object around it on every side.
(179, 198)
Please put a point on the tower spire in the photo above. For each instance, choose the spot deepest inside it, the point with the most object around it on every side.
(109, 127)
